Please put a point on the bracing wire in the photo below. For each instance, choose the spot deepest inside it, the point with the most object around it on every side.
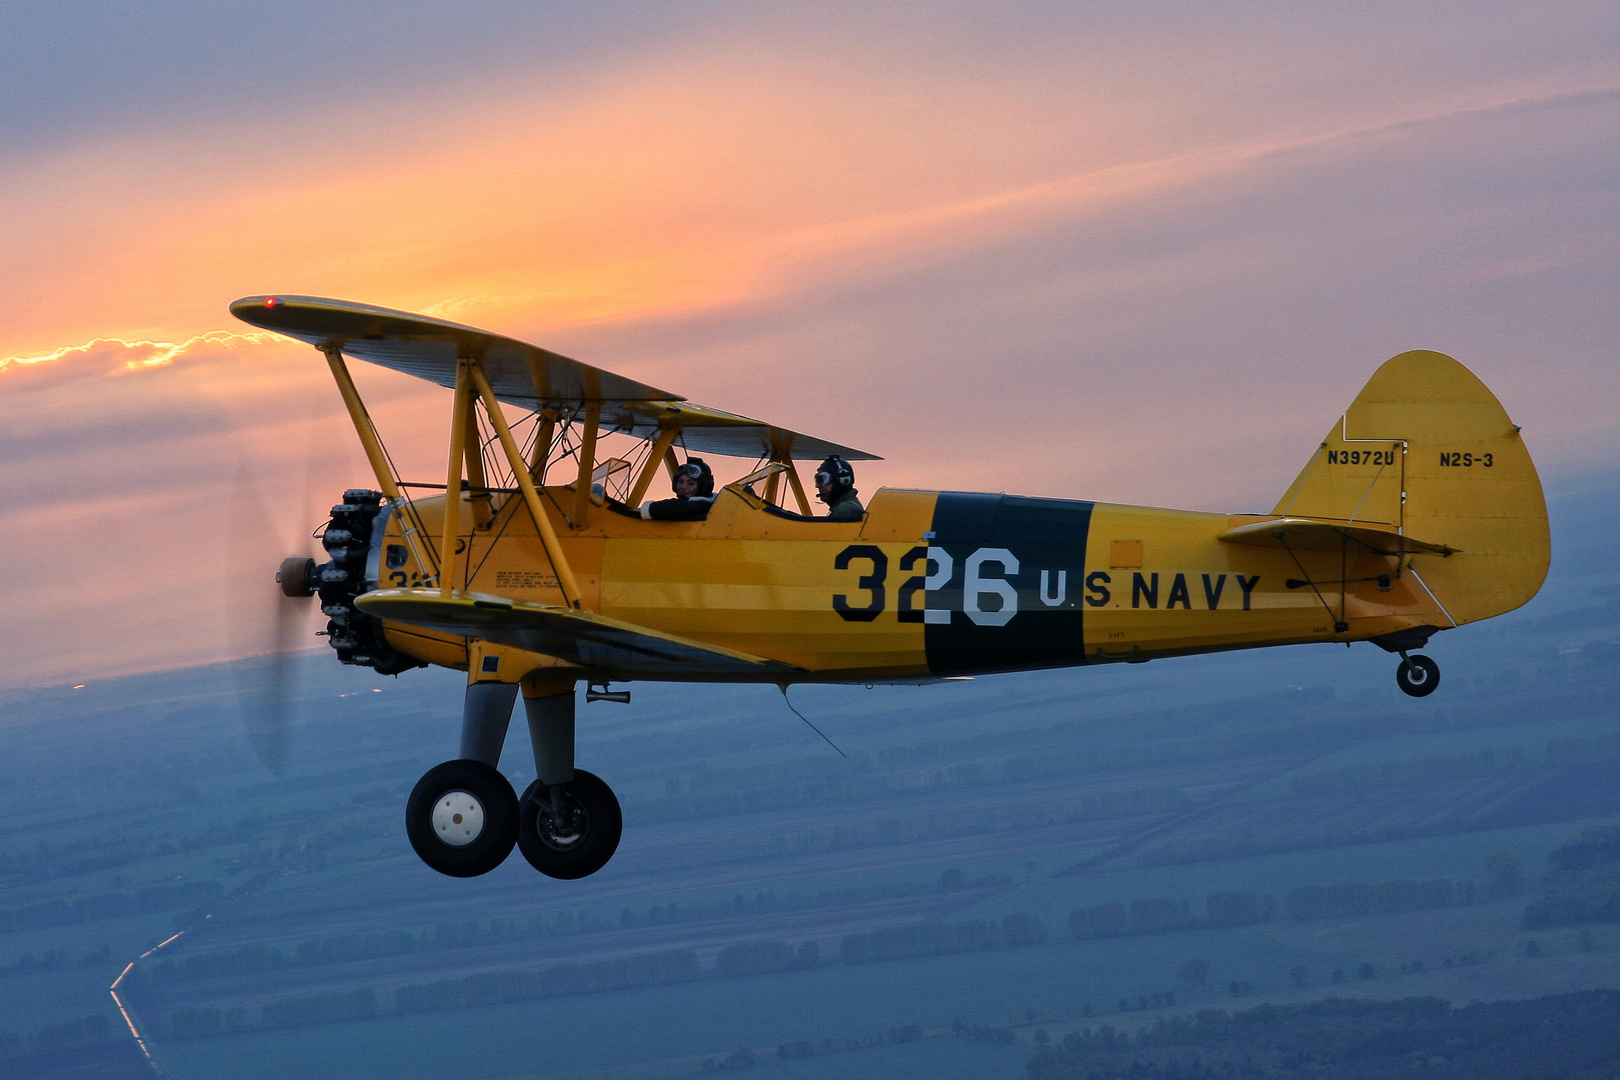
(410, 507)
(1325, 605)
(496, 468)
(784, 688)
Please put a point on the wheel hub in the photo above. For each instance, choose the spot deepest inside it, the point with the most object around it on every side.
(565, 830)
(458, 818)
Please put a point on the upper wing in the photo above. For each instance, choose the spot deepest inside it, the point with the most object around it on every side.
(1325, 534)
(580, 637)
(428, 348)
(524, 375)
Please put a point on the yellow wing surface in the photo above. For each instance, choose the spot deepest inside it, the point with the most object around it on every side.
(592, 641)
(526, 376)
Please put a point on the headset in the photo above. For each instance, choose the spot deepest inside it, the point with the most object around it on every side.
(835, 471)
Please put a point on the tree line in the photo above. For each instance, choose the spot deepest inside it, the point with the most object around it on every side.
(1354, 779)
(473, 933)
(1158, 915)
(1384, 897)
(472, 991)
(1558, 1036)
(60, 911)
(744, 1056)
(1582, 883)
(661, 968)
(304, 1010)
(765, 957)
(84, 1033)
(913, 940)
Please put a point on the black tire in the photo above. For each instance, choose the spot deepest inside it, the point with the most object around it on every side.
(1418, 675)
(584, 843)
(480, 847)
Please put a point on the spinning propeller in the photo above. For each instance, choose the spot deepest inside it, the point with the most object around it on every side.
(268, 622)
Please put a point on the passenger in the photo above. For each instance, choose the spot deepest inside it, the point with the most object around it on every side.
(694, 495)
(835, 486)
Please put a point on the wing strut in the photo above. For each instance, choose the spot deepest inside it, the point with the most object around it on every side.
(380, 466)
(655, 459)
(587, 463)
(460, 413)
(525, 482)
(798, 488)
(477, 482)
(541, 454)
(773, 484)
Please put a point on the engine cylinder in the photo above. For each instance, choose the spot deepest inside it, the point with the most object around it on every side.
(347, 538)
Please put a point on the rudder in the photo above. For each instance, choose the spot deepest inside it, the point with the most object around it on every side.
(1427, 447)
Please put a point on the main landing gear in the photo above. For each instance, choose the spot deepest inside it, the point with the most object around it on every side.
(1418, 675)
(463, 817)
(569, 831)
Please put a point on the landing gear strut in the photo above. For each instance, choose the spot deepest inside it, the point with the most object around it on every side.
(463, 818)
(1418, 675)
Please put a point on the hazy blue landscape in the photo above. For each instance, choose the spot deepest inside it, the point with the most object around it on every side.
(997, 870)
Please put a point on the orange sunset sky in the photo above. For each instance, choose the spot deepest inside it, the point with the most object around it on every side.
(1135, 252)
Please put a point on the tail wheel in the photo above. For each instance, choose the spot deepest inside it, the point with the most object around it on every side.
(1418, 675)
(462, 818)
(572, 836)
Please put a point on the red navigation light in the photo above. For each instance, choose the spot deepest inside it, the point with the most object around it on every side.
(272, 302)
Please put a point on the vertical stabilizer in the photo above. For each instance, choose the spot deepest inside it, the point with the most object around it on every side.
(1428, 448)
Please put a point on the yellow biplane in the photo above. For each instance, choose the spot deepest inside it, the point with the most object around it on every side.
(531, 568)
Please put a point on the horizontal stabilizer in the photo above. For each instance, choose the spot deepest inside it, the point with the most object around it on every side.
(580, 637)
(1325, 534)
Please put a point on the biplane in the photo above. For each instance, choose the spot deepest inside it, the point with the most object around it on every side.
(531, 570)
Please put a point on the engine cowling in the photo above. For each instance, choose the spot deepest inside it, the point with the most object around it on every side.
(348, 539)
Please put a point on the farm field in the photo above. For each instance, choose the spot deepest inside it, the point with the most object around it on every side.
(710, 1021)
(904, 909)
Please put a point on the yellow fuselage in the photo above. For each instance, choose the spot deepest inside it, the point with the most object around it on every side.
(929, 584)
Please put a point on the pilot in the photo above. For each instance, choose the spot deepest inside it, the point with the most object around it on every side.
(694, 495)
(835, 486)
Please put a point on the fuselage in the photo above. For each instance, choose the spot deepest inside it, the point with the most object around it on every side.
(929, 584)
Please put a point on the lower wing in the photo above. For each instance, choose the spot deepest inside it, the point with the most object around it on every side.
(580, 637)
